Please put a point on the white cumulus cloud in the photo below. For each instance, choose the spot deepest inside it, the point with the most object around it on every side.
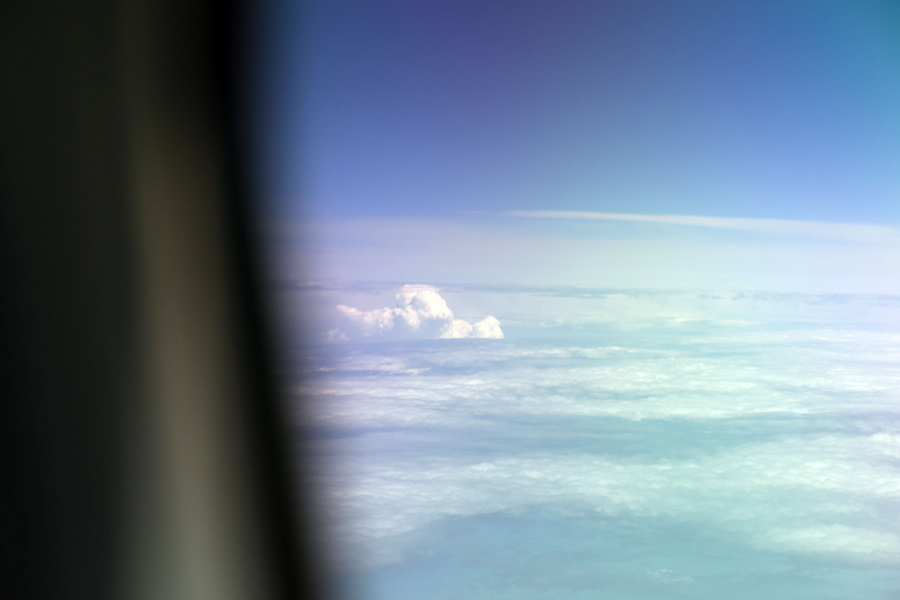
(420, 312)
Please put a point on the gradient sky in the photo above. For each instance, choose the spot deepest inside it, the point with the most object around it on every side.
(753, 109)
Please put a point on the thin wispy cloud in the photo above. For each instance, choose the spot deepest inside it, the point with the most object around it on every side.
(855, 232)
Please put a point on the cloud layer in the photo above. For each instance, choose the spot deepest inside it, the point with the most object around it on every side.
(632, 460)
(420, 312)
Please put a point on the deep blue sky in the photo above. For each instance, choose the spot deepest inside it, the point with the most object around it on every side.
(767, 109)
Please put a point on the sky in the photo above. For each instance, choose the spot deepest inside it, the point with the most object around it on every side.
(589, 299)
(673, 145)
(754, 109)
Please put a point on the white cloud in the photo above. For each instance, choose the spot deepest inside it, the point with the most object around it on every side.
(420, 312)
(457, 328)
(489, 327)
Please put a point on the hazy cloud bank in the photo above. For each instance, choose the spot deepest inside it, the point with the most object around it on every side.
(673, 252)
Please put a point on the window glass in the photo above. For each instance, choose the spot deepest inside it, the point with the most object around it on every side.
(589, 299)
